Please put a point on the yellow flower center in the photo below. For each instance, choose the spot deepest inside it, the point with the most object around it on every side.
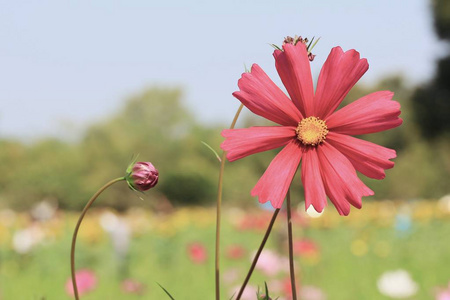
(311, 131)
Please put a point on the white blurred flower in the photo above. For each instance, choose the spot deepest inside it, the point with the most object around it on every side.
(444, 203)
(44, 210)
(24, 240)
(309, 212)
(397, 284)
(119, 231)
(313, 213)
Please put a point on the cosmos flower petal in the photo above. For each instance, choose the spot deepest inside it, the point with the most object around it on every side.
(372, 113)
(339, 74)
(368, 158)
(342, 185)
(312, 180)
(294, 69)
(275, 182)
(261, 95)
(240, 143)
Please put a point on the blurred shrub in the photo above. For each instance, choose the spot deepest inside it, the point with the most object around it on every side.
(188, 188)
(156, 125)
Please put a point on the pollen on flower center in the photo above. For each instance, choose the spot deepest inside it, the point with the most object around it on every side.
(311, 131)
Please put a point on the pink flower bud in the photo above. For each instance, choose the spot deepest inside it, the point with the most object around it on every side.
(143, 176)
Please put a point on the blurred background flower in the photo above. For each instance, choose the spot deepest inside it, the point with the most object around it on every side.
(397, 284)
(197, 252)
(86, 282)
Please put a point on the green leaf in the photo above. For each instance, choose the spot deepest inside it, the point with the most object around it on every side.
(276, 47)
(267, 291)
(213, 151)
(312, 47)
(168, 294)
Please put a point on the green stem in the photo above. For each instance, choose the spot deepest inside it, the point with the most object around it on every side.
(258, 253)
(218, 209)
(291, 254)
(75, 233)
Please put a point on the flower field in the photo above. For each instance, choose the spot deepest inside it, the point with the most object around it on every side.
(126, 255)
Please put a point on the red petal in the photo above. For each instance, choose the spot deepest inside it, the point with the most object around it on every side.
(294, 69)
(259, 94)
(372, 113)
(339, 74)
(240, 143)
(368, 158)
(274, 183)
(312, 180)
(342, 185)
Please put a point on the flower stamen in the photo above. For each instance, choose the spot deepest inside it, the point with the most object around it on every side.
(311, 131)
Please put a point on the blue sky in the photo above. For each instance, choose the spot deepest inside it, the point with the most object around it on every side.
(66, 64)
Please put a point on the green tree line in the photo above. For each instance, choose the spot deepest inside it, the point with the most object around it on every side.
(156, 125)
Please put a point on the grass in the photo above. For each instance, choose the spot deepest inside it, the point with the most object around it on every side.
(353, 253)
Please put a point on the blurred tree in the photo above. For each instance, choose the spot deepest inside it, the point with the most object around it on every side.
(155, 125)
(441, 12)
(431, 102)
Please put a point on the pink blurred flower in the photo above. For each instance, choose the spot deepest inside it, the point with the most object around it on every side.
(131, 286)
(86, 282)
(270, 263)
(443, 293)
(254, 221)
(287, 287)
(197, 253)
(311, 293)
(142, 176)
(235, 251)
(305, 247)
(312, 130)
(248, 294)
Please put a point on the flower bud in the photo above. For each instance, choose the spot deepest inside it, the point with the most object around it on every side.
(142, 176)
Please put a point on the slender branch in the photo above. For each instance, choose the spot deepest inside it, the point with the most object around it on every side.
(258, 253)
(291, 256)
(75, 233)
(218, 209)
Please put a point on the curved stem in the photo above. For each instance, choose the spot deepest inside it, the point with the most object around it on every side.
(218, 209)
(291, 255)
(258, 253)
(75, 233)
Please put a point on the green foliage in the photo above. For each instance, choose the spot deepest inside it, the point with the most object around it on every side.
(431, 102)
(441, 11)
(188, 189)
(155, 125)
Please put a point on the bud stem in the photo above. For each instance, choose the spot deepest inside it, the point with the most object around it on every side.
(75, 233)
(291, 256)
(218, 209)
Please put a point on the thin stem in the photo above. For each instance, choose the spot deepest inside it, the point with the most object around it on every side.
(218, 209)
(258, 253)
(75, 233)
(291, 255)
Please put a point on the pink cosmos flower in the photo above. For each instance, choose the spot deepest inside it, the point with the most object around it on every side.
(311, 130)
(305, 247)
(235, 252)
(131, 286)
(197, 253)
(86, 282)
